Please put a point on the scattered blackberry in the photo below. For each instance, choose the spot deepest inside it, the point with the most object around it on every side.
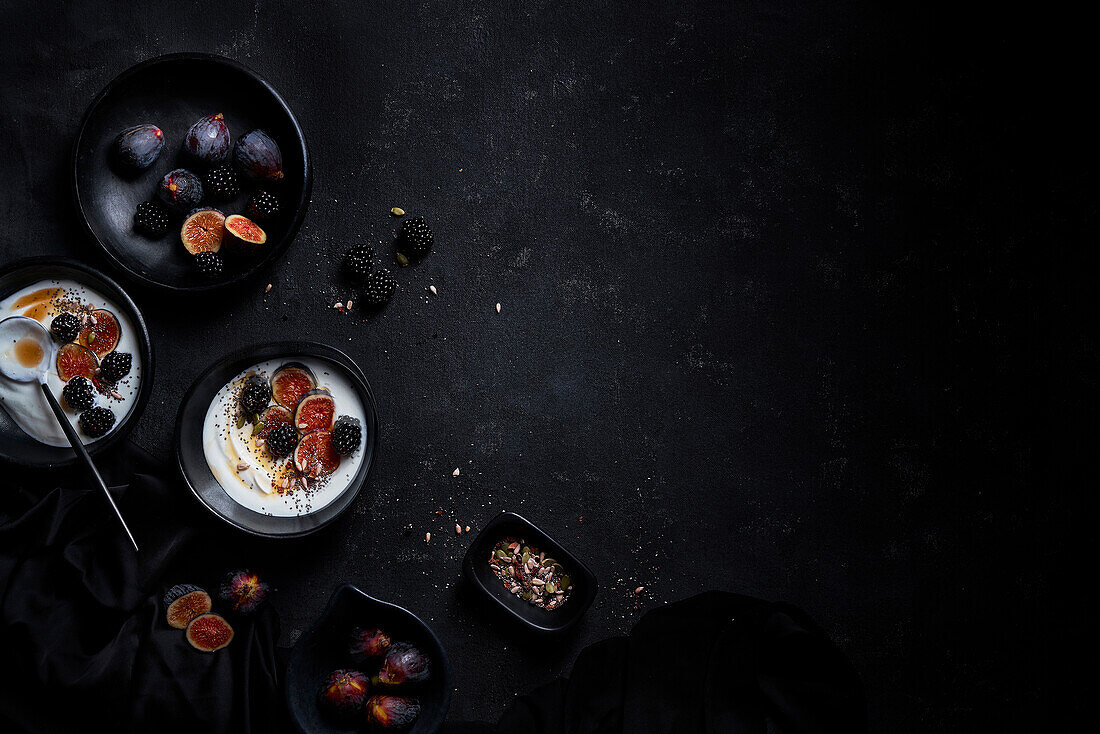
(346, 435)
(263, 207)
(282, 440)
(221, 182)
(79, 393)
(209, 264)
(96, 421)
(357, 263)
(255, 394)
(65, 327)
(416, 237)
(151, 219)
(115, 366)
(379, 288)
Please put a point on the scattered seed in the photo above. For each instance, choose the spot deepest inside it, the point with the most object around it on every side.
(397, 211)
(349, 305)
(427, 537)
(639, 590)
(268, 288)
(467, 528)
(242, 465)
(498, 308)
(402, 260)
(458, 529)
(338, 306)
(303, 426)
(433, 290)
(116, 395)
(455, 473)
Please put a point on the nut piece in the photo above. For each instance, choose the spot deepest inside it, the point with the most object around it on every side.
(639, 590)
(458, 529)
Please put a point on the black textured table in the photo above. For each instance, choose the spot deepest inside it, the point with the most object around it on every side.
(772, 315)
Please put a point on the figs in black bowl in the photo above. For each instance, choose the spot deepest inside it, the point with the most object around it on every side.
(423, 694)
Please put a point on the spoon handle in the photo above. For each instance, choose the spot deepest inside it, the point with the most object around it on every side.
(78, 447)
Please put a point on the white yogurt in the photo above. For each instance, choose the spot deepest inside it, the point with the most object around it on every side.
(24, 401)
(226, 447)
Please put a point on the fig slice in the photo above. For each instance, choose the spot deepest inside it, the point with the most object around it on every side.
(290, 382)
(203, 231)
(315, 456)
(101, 333)
(185, 602)
(245, 234)
(74, 360)
(209, 632)
(316, 410)
(272, 417)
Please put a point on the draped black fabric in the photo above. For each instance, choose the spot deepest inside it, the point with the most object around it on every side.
(716, 663)
(81, 622)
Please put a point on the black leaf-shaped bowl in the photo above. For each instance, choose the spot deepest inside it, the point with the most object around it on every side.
(324, 648)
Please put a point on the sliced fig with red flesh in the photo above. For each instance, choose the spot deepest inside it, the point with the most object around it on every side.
(209, 632)
(203, 231)
(290, 382)
(245, 235)
(101, 333)
(316, 411)
(273, 417)
(185, 602)
(74, 360)
(315, 456)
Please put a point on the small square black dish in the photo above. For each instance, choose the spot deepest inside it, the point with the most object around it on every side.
(324, 648)
(475, 568)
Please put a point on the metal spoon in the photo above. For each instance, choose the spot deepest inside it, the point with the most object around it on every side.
(17, 327)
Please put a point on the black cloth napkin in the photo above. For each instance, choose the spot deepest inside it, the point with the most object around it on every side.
(715, 663)
(82, 627)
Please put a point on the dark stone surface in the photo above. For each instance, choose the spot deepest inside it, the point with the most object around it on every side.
(778, 313)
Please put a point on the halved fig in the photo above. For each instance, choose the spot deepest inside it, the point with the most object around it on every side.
(101, 333)
(209, 632)
(245, 234)
(316, 411)
(290, 382)
(202, 231)
(272, 418)
(74, 360)
(185, 602)
(315, 457)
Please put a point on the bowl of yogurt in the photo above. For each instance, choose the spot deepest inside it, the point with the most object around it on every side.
(278, 439)
(104, 328)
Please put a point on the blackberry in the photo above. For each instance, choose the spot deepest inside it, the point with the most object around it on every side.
(379, 288)
(115, 366)
(151, 219)
(282, 440)
(209, 264)
(346, 435)
(96, 421)
(416, 237)
(221, 182)
(263, 206)
(255, 394)
(357, 263)
(79, 393)
(65, 327)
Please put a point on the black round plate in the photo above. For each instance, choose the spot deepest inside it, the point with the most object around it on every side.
(15, 445)
(172, 92)
(192, 459)
(324, 648)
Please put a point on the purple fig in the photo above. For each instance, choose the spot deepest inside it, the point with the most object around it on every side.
(258, 157)
(208, 140)
(137, 147)
(343, 695)
(392, 712)
(181, 190)
(404, 665)
(369, 642)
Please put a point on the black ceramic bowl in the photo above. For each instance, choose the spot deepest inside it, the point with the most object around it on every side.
(15, 445)
(324, 648)
(475, 568)
(172, 92)
(192, 460)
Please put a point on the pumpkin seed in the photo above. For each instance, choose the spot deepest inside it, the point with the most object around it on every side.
(240, 421)
(397, 211)
(550, 588)
(402, 260)
(548, 562)
(257, 427)
(501, 554)
(566, 582)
